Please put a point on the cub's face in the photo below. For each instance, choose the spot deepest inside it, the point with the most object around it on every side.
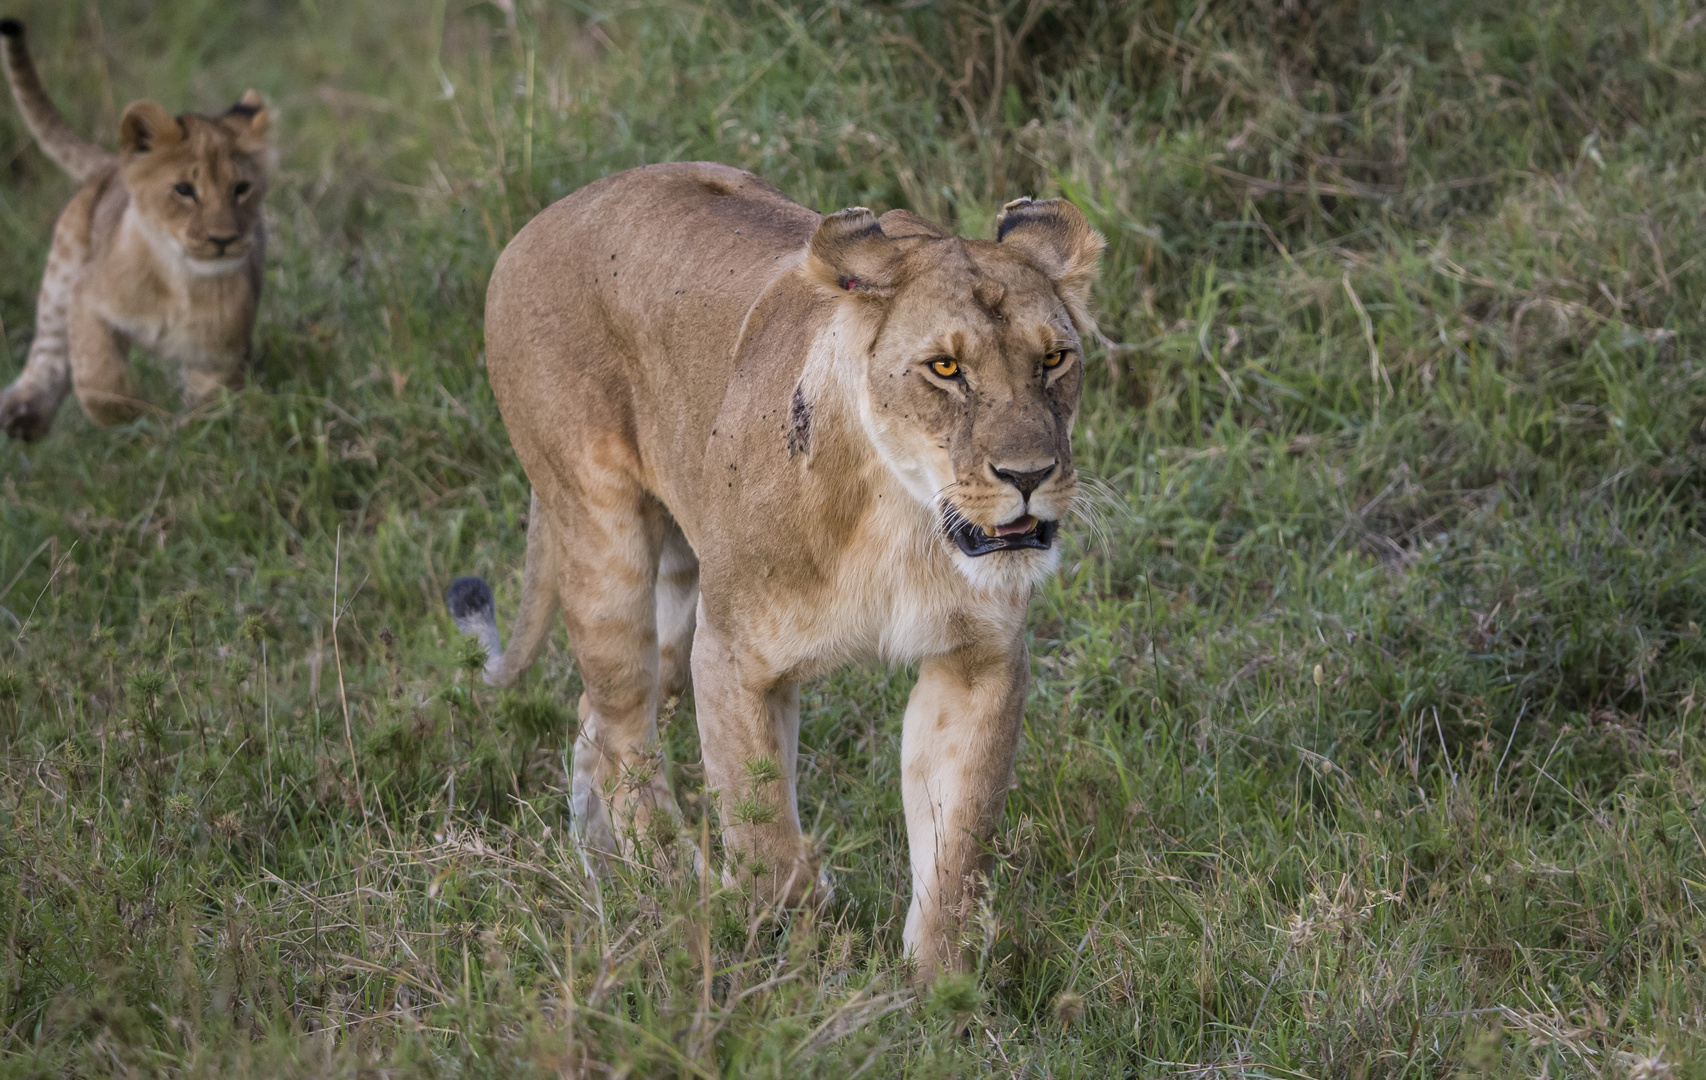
(196, 182)
(971, 381)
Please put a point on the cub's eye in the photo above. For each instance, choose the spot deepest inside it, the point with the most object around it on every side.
(945, 366)
(1056, 358)
(186, 190)
(241, 189)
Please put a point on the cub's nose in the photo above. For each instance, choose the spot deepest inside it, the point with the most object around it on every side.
(1027, 479)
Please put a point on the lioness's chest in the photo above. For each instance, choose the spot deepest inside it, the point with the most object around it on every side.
(894, 598)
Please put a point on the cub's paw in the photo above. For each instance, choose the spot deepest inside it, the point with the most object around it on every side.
(23, 417)
(107, 408)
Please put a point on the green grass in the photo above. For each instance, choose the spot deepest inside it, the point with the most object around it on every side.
(1366, 733)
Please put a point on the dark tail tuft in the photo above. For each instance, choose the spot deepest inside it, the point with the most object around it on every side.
(470, 602)
(11, 28)
(470, 598)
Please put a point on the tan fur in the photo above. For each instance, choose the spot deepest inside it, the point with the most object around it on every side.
(700, 375)
(162, 246)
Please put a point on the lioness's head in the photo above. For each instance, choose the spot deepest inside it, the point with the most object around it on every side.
(972, 372)
(197, 182)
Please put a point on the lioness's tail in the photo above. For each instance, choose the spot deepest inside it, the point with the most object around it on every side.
(69, 150)
(471, 605)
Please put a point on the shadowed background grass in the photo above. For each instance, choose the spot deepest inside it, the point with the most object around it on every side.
(1365, 737)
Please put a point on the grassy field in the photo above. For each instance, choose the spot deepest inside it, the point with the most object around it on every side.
(1366, 733)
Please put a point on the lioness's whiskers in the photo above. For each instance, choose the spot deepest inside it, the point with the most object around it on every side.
(1094, 501)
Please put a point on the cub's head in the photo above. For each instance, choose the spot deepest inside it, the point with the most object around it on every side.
(972, 370)
(197, 181)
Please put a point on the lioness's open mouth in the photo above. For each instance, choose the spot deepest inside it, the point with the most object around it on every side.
(1026, 532)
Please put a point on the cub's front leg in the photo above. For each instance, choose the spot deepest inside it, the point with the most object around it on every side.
(214, 342)
(204, 376)
(100, 371)
(956, 754)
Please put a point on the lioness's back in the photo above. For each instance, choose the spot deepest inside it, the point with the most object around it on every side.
(647, 243)
(618, 307)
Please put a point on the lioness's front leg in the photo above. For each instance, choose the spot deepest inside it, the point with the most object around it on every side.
(749, 733)
(956, 754)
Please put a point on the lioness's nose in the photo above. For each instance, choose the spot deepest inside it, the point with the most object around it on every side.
(223, 241)
(1026, 479)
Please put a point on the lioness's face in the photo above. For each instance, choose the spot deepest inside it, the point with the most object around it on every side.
(198, 182)
(970, 383)
(973, 384)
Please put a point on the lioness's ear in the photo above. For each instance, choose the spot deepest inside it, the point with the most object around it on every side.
(249, 121)
(1055, 236)
(906, 225)
(146, 126)
(849, 254)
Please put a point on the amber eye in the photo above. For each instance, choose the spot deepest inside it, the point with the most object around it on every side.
(945, 366)
(1056, 358)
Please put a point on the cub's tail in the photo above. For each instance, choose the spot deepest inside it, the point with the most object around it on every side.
(471, 605)
(69, 150)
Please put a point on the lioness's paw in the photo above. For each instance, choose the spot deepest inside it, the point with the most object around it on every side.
(23, 417)
(793, 883)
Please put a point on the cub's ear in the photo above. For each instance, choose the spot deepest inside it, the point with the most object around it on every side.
(146, 126)
(850, 255)
(1054, 235)
(249, 120)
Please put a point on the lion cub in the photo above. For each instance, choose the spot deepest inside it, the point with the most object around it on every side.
(163, 245)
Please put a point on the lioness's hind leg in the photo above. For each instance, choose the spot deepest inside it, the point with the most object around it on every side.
(611, 538)
(678, 601)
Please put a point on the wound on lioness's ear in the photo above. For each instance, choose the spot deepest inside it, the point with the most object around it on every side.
(850, 254)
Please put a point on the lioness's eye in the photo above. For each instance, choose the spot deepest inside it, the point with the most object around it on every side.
(945, 366)
(1056, 358)
(241, 189)
(186, 190)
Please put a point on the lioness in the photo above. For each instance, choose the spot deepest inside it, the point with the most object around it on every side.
(162, 245)
(764, 443)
